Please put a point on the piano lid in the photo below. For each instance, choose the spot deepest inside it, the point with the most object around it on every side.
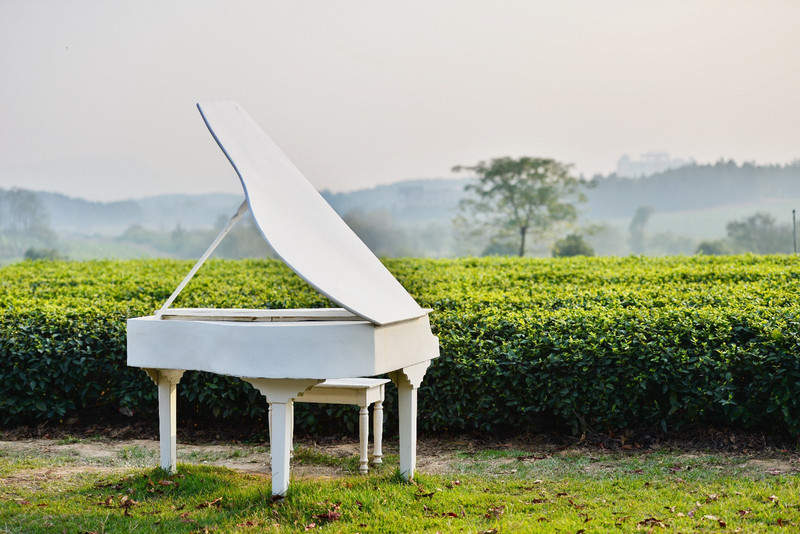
(301, 227)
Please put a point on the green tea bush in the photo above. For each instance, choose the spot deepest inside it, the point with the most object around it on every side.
(578, 343)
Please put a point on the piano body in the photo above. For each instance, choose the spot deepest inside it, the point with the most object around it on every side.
(378, 329)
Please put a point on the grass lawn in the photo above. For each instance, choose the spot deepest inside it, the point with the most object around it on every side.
(487, 490)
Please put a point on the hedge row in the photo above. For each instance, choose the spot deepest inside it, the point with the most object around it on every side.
(597, 343)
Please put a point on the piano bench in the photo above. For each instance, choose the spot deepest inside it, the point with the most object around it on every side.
(360, 392)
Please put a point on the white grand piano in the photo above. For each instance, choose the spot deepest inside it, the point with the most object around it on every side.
(378, 329)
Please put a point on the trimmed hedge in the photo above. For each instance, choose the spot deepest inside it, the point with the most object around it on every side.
(597, 343)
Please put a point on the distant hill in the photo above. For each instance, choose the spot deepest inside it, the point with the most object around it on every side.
(75, 216)
(693, 187)
(410, 202)
(414, 217)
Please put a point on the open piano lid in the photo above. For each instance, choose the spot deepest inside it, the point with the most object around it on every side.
(301, 227)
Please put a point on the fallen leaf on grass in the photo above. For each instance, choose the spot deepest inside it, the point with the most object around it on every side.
(331, 515)
(495, 511)
(247, 524)
(578, 506)
(209, 504)
(773, 498)
(310, 526)
(531, 457)
(721, 522)
(652, 521)
(743, 513)
(22, 502)
(186, 519)
(165, 482)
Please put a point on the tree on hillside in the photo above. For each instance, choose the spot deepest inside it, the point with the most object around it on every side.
(520, 196)
(639, 221)
(24, 223)
(760, 234)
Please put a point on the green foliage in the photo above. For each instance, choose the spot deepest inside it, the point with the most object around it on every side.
(597, 343)
(515, 196)
(572, 245)
(759, 234)
(717, 247)
(43, 254)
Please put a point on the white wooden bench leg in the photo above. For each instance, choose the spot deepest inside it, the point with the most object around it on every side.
(167, 383)
(363, 437)
(377, 423)
(290, 407)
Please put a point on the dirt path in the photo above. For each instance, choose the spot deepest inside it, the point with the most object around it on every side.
(65, 457)
(32, 462)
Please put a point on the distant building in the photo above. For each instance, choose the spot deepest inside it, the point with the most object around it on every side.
(650, 163)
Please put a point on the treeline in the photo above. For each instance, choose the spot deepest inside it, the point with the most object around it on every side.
(243, 241)
(416, 218)
(692, 187)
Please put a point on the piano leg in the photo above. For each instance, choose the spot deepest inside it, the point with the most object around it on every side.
(407, 381)
(407, 405)
(167, 382)
(279, 446)
(363, 439)
(280, 393)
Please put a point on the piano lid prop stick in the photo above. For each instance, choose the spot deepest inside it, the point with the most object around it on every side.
(236, 216)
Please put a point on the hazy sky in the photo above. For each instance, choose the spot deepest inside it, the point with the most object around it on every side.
(97, 98)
